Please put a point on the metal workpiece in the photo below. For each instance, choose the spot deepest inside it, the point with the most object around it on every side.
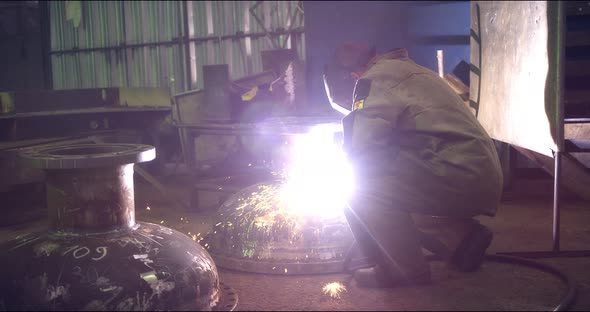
(254, 233)
(87, 156)
(90, 200)
(94, 255)
(255, 136)
(149, 268)
(280, 126)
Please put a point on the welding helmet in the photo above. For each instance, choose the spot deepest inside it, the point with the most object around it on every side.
(339, 74)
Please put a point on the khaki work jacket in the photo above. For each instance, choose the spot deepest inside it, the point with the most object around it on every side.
(413, 142)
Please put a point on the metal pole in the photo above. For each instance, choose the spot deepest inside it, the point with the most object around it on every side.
(124, 51)
(560, 29)
(187, 43)
(46, 44)
(556, 211)
(439, 57)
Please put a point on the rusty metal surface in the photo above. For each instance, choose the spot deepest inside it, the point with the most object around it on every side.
(519, 88)
(253, 233)
(91, 200)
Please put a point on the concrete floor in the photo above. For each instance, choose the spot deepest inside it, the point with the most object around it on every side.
(523, 223)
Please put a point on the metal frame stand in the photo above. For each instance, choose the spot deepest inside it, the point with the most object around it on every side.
(555, 252)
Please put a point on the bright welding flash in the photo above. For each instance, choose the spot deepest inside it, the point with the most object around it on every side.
(319, 177)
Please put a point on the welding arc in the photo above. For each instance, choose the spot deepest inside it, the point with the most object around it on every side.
(564, 303)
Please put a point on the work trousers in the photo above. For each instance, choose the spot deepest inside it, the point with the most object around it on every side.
(389, 221)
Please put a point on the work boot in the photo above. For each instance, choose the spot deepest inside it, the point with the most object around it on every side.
(377, 277)
(471, 252)
(435, 246)
(466, 240)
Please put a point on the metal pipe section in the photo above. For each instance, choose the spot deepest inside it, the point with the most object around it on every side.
(91, 199)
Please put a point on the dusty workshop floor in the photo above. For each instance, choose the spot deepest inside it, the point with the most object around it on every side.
(522, 224)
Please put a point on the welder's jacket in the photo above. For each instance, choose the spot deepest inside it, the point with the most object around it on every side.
(415, 144)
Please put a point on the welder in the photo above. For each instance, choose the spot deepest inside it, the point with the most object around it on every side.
(424, 166)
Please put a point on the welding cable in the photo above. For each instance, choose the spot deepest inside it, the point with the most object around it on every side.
(570, 296)
(565, 302)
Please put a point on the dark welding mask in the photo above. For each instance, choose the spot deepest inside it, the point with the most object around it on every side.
(339, 80)
(339, 84)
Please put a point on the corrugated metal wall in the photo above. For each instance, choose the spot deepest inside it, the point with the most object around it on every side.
(141, 43)
(222, 18)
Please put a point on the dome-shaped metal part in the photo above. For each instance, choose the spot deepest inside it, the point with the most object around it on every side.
(254, 233)
(94, 256)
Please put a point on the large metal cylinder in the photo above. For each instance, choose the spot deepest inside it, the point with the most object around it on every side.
(94, 256)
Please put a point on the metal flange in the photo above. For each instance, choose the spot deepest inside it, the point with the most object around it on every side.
(87, 155)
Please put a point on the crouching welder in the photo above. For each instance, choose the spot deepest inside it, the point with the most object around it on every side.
(424, 166)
